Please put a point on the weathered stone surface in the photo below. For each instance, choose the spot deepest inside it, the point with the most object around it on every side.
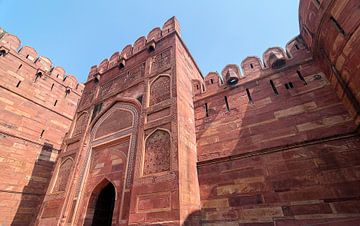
(169, 147)
(35, 114)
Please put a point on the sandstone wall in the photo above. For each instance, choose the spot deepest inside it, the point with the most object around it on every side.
(310, 184)
(280, 146)
(37, 105)
(275, 140)
(331, 30)
(139, 153)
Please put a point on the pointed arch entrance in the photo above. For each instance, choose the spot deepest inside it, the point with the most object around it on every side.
(110, 154)
(101, 205)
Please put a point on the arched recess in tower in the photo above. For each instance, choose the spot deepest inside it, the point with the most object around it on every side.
(111, 156)
(101, 204)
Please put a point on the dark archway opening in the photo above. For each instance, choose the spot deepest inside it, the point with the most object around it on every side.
(104, 207)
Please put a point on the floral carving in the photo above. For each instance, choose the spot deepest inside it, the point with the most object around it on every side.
(160, 90)
(157, 152)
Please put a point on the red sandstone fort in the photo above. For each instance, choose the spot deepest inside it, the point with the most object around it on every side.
(149, 140)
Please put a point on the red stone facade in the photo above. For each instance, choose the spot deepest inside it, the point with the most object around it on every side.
(274, 141)
(134, 137)
(37, 105)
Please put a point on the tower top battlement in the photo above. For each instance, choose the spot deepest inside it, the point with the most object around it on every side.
(142, 43)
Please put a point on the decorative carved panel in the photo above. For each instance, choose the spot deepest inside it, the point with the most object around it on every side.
(157, 152)
(86, 99)
(80, 124)
(118, 120)
(63, 175)
(160, 90)
(122, 81)
(161, 60)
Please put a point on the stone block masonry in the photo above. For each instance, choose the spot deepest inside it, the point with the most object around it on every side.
(272, 141)
(37, 105)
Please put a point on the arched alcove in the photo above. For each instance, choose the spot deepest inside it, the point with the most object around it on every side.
(118, 120)
(101, 205)
(63, 175)
(81, 123)
(157, 152)
(160, 90)
(111, 153)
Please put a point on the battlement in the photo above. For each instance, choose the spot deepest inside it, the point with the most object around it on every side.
(119, 58)
(252, 68)
(267, 141)
(37, 105)
(11, 44)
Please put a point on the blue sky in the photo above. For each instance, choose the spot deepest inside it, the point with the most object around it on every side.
(77, 34)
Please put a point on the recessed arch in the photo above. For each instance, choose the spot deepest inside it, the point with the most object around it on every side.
(112, 124)
(101, 204)
(157, 151)
(81, 123)
(160, 89)
(129, 104)
(122, 100)
(63, 173)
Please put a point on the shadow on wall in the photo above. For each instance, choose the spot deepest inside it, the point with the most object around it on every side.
(269, 130)
(33, 194)
(194, 219)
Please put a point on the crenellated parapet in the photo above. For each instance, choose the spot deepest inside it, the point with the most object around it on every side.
(252, 68)
(212, 82)
(231, 74)
(11, 44)
(251, 65)
(274, 58)
(148, 43)
(38, 103)
(293, 46)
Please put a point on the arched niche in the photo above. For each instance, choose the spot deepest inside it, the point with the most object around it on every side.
(157, 152)
(102, 143)
(117, 120)
(100, 208)
(81, 123)
(160, 89)
(63, 175)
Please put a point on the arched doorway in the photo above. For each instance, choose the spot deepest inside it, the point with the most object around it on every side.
(111, 154)
(102, 206)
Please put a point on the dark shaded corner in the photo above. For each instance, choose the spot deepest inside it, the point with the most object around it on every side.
(194, 219)
(33, 194)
